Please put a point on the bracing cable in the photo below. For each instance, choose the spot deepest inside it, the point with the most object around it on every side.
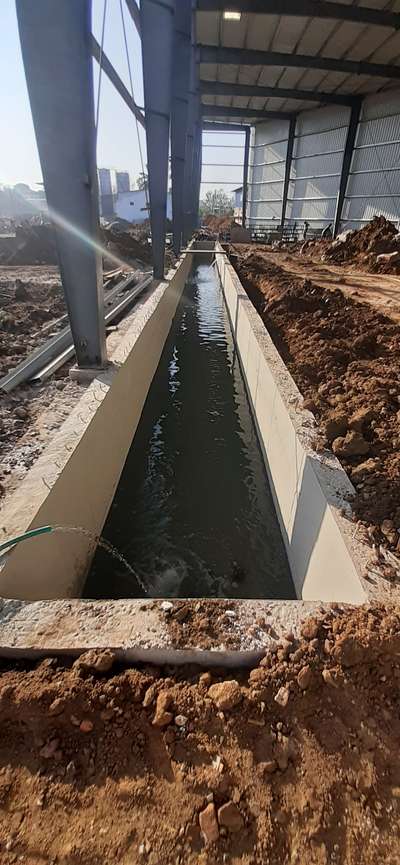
(103, 30)
(133, 97)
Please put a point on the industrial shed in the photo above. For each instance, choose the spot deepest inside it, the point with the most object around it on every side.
(200, 526)
(318, 82)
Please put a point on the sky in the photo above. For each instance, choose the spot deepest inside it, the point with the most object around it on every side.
(117, 145)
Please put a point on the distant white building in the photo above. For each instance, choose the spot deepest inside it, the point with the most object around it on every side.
(107, 181)
(123, 181)
(132, 206)
(112, 181)
(111, 184)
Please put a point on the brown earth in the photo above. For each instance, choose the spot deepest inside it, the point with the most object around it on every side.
(196, 623)
(359, 248)
(35, 244)
(382, 293)
(32, 301)
(380, 236)
(345, 358)
(125, 245)
(32, 309)
(294, 763)
(218, 223)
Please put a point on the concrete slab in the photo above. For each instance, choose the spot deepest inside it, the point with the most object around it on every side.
(137, 630)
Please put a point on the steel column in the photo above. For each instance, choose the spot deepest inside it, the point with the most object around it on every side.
(245, 174)
(55, 44)
(180, 114)
(188, 216)
(197, 172)
(157, 27)
(288, 167)
(347, 157)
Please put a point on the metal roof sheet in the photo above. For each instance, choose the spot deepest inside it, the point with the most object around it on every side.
(294, 34)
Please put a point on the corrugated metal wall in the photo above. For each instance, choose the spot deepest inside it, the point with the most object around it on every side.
(316, 165)
(374, 182)
(267, 172)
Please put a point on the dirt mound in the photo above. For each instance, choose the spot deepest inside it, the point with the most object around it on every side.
(141, 765)
(125, 245)
(28, 309)
(345, 358)
(378, 237)
(35, 244)
(218, 223)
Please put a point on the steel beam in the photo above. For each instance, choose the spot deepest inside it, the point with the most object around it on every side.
(197, 170)
(249, 57)
(180, 114)
(219, 88)
(229, 111)
(245, 174)
(190, 143)
(113, 76)
(157, 25)
(134, 12)
(224, 127)
(288, 166)
(307, 9)
(346, 163)
(55, 44)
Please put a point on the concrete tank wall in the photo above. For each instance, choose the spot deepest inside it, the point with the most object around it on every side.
(310, 494)
(74, 481)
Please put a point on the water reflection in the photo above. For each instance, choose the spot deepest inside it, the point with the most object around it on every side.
(193, 512)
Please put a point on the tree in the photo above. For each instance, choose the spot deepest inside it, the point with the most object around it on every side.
(216, 202)
(142, 181)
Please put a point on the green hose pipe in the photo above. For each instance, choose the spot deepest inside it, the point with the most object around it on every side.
(31, 534)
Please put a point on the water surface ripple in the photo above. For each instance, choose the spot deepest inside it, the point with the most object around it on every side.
(193, 512)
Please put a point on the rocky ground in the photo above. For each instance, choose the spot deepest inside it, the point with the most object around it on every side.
(32, 305)
(383, 293)
(374, 248)
(293, 762)
(32, 309)
(345, 358)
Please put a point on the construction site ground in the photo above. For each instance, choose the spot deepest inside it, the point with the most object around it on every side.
(32, 310)
(382, 291)
(293, 762)
(344, 355)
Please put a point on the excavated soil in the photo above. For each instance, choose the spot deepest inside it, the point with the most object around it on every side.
(32, 309)
(218, 223)
(382, 293)
(292, 763)
(362, 247)
(375, 248)
(125, 245)
(32, 301)
(345, 358)
(200, 622)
